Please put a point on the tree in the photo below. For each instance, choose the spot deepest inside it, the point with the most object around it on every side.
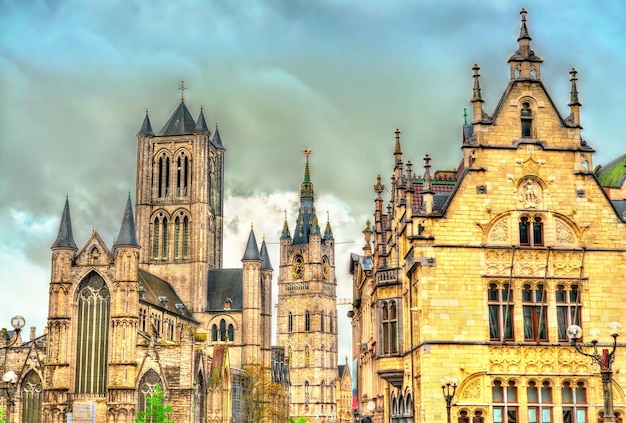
(1, 416)
(156, 410)
(263, 400)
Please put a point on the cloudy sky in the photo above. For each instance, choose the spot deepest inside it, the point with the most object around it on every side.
(278, 76)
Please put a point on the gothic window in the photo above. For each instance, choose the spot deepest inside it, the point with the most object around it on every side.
(531, 231)
(574, 399)
(177, 238)
(290, 356)
(568, 309)
(160, 178)
(155, 239)
(182, 175)
(222, 330)
(307, 356)
(500, 313)
(389, 327)
(290, 322)
(146, 388)
(539, 402)
(165, 238)
(92, 335)
(505, 404)
(214, 333)
(32, 397)
(307, 321)
(534, 309)
(322, 391)
(331, 322)
(307, 394)
(185, 237)
(166, 183)
(527, 120)
(231, 332)
(322, 321)
(323, 356)
(143, 317)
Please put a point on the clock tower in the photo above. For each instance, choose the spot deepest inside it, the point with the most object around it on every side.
(307, 309)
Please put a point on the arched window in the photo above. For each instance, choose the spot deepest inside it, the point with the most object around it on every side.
(574, 399)
(177, 238)
(214, 333)
(323, 391)
(530, 231)
(290, 322)
(323, 356)
(160, 178)
(222, 330)
(307, 394)
(527, 120)
(92, 335)
(32, 397)
(539, 402)
(331, 322)
(231, 332)
(185, 237)
(186, 178)
(322, 321)
(290, 356)
(307, 356)
(155, 239)
(146, 388)
(165, 238)
(505, 409)
(167, 177)
(307, 321)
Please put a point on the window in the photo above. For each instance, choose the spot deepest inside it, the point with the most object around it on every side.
(322, 322)
(182, 175)
(323, 356)
(32, 397)
(222, 330)
(214, 333)
(185, 237)
(389, 327)
(143, 317)
(160, 237)
(231, 333)
(500, 313)
(530, 231)
(146, 388)
(534, 309)
(568, 309)
(574, 400)
(92, 335)
(505, 402)
(307, 356)
(165, 238)
(307, 321)
(539, 402)
(322, 391)
(307, 394)
(177, 238)
(290, 322)
(155, 239)
(331, 322)
(527, 120)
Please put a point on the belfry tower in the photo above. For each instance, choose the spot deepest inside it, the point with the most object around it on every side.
(180, 191)
(307, 309)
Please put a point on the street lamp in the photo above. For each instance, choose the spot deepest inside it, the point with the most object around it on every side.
(18, 323)
(604, 360)
(448, 386)
(9, 379)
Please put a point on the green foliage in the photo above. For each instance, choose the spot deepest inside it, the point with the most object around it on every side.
(300, 420)
(156, 410)
(1, 415)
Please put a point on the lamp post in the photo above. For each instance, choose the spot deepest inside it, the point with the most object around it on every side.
(448, 386)
(603, 359)
(9, 379)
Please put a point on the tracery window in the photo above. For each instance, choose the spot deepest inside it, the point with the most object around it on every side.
(539, 402)
(214, 333)
(92, 335)
(535, 309)
(146, 388)
(182, 175)
(568, 309)
(389, 327)
(32, 397)
(181, 236)
(290, 322)
(574, 399)
(505, 405)
(531, 231)
(160, 237)
(500, 313)
(307, 321)
(163, 176)
(307, 393)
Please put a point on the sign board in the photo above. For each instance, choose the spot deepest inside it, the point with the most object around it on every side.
(83, 412)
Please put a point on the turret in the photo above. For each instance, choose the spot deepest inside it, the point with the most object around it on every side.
(252, 301)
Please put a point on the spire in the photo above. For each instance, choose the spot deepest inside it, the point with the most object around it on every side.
(252, 249)
(217, 140)
(328, 233)
(397, 152)
(128, 233)
(307, 220)
(180, 123)
(379, 187)
(65, 239)
(266, 265)
(573, 101)
(285, 233)
(524, 64)
(146, 127)
(427, 178)
(201, 123)
(476, 96)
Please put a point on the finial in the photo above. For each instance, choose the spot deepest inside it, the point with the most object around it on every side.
(378, 186)
(523, 33)
(523, 12)
(306, 152)
(397, 150)
(464, 115)
(427, 178)
(476, 91)
(182, 91)
(574, 92)
(128, 192)
(251, 226)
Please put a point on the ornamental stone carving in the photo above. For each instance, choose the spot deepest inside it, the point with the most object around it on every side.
(529, 194)
(564, 234)
(499, 232)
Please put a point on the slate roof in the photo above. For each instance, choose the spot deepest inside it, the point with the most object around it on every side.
(217, 140)
(437, 186)
(155, 287)
(128, 232)
(223, 284)
(307, 223)
(65, 239)
(252, 249)
(146, 127)
(365, 262)
(180, 123)
(266, 265)
(201, 125)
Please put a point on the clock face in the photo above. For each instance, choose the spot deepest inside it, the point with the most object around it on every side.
(325, 270)
(297, 270)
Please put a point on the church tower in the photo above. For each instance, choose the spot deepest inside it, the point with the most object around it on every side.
(307, 309)
(180, 191)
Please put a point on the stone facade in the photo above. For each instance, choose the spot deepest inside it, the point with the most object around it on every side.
(307, 311)
(481, 283)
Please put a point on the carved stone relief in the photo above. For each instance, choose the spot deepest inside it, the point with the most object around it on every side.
(564, 234)
(529, 194)
(499, 232)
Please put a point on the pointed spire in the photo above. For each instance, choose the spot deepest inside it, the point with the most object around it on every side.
(306, 217)
(266, 265)
(307, 173)
(285, 233)
(128, 233)
(397, 152)
(180, 123)
(201, 125)
(217, 139)
(574, 92)
(523, 32)
(427, 177)
(476, 96)
(146, 127)
(379, 187)
(524, 63)
(65, 239)
(328, 233)
(252, 248)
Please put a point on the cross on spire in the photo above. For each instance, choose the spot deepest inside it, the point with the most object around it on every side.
(182, 90)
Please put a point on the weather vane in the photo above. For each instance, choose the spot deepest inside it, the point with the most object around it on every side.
(306, 152)
(182, 90)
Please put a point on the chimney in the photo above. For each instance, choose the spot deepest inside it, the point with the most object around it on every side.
(33, 333)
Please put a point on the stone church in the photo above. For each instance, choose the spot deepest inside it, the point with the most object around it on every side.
(470, 279)
(156, 307)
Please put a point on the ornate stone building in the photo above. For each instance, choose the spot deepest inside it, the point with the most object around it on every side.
(157, 307)
(307, 310)
(481, 280)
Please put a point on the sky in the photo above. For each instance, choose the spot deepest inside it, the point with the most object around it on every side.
(278, 76)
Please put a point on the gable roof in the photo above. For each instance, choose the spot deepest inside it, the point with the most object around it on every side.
(223, 284)
(155, 287)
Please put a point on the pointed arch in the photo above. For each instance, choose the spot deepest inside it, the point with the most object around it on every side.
(32, 397)
(148, 381)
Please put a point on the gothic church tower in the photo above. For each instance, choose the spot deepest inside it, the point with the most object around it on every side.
(307, 309)
(180, 190)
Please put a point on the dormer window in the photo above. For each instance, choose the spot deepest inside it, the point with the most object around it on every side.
(227, 304)
(527, 120)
